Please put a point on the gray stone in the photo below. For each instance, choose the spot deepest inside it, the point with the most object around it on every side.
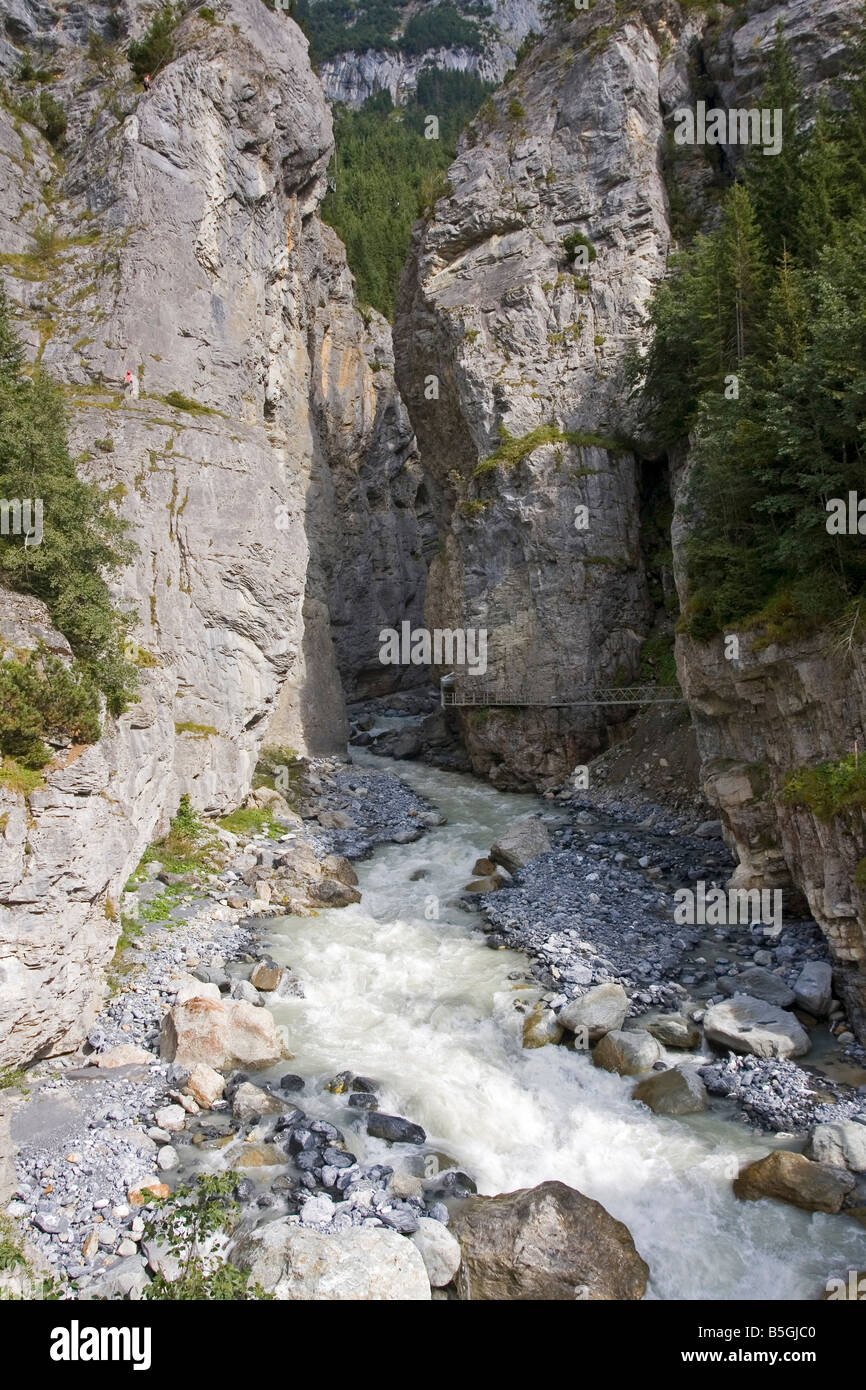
(599, 1011)
(758, 983)
(751, 1025)
(813, 988)
(363, 1264)
(440, 1251)
(679, 1091)
(524, 839)
(626, 1053)
(839, 1145)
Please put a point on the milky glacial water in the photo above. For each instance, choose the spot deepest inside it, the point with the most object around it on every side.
(423, 1006)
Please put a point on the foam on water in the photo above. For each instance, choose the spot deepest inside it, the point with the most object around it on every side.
(425, 1008)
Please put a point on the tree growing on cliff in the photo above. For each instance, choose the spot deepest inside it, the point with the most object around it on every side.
(83, 542)
(758, 353)
(155, 48)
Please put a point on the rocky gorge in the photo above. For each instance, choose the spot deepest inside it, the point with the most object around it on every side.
(262, 1001)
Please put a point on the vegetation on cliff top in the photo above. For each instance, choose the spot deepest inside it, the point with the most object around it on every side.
(829, 789)
(357, 26)
(82, 542)
(759, 350)
(385, 172)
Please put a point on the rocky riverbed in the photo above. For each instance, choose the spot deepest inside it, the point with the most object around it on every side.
(186, 1071)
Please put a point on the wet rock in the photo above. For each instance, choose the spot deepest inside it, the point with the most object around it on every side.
(246, 993)
(813, 988)
(483, 868)
(840, 1145)
(363, 1264)
(601, 1010)
(266, 975)
(541, 1027)
(250, 1102)
(545, 1243)
(223, 1035)
(678, 1091)
(330, 892)
(524, 839)
(790, 1177)
(758, 983)
(674, 1030)
(751, 1025)
(394, 1128)
(360, 1100)
(626, 1053)
(291, 1082)
(258, 1156)
(490, 884)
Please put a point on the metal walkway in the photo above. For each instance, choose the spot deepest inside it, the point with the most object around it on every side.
(474, 692)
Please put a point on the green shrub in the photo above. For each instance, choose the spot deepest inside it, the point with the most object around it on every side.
(52, 119)
(179, 401)
(46, 241)
(84, 541)
(571, 242)
(155, 48)
(43, 699)
(513, 450)
(184, 1223)
(829, 789)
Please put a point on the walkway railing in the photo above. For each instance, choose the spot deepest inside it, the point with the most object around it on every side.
(472, 691)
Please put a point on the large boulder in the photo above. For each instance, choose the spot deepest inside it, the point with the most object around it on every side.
(599, 1011)
(792, 1178)
(226, 1035)
(627, 1053)
(524, 839)
(369, 1264)
(841, 1145)
(813, 988)
(679, 1091)
(545, 1243)
(759, 984)
(750, 1025)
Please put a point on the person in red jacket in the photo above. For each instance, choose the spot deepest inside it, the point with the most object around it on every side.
(146, 82)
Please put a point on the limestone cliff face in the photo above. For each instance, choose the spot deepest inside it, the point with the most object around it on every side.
(189, 253)
(522, 337)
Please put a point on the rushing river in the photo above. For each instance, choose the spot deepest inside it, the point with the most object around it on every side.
(423, 1006)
